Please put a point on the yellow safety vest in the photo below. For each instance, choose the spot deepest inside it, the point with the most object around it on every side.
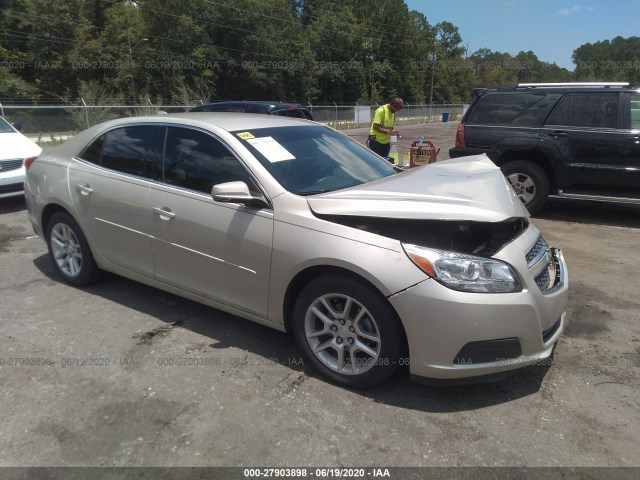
(386, 119)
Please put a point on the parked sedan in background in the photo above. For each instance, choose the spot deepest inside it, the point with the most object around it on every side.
(296, 226)
(292, 110)
(15, 151)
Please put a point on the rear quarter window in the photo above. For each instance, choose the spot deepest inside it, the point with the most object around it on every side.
(635, 111)
(93, 153)
(503, 109)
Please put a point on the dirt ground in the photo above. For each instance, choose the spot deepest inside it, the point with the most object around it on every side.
(120, 374)
(442, 135)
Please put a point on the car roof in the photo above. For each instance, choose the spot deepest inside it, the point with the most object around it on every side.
(230, 121)
(227, 121)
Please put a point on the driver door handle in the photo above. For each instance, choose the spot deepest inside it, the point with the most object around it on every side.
(164, 213)
(558, 134)
(84, 189)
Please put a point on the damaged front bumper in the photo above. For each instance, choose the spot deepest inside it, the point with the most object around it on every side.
(454, 335)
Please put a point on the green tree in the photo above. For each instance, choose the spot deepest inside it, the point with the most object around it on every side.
(609, 60)
(48, 31)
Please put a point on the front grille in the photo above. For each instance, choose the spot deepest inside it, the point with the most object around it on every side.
(537, 251)
(13, 164)
(542, 280)
(546, 276)
(550, 276)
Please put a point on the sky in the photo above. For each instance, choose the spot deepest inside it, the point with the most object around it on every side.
(552, 29)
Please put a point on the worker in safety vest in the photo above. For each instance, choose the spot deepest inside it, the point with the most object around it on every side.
(382, 127)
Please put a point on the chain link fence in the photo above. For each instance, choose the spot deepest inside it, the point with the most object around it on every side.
(45, 123)
(352, 116)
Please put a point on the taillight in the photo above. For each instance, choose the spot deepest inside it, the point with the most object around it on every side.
(28, 162)
(460, 135)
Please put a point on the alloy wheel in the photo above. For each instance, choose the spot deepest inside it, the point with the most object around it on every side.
(66, 249)
(342, 334)
(524, 186)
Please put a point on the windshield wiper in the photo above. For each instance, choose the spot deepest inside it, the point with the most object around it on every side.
(314, 192)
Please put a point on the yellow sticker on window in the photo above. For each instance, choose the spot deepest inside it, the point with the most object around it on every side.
(245, 135)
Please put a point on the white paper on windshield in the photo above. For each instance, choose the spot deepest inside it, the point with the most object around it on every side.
(272, 150)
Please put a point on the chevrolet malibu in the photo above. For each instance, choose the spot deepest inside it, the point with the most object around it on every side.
(293, 225)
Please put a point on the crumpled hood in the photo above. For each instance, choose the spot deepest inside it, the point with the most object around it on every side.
(16, 145)
(468, 188)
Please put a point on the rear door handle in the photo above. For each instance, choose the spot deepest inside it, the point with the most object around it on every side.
(164, 213)
(635, 139)
(84, 189)
(558, 134)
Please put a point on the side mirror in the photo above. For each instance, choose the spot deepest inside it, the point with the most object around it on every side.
(17, 126)
(236, 192)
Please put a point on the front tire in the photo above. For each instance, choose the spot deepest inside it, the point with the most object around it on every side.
(69, 251)
(530, 183)
(348, 331)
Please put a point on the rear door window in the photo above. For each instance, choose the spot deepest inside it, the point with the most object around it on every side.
(126, 150)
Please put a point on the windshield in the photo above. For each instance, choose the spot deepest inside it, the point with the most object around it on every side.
(5, 127)
(313, 159)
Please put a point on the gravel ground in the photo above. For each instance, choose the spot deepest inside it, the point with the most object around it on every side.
(120, 374)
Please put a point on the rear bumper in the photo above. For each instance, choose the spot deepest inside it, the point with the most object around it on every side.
(456, 152)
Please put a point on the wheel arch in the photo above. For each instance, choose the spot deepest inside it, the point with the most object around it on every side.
(86, 270)
(536, 157)
(305, 276)
(49, 211)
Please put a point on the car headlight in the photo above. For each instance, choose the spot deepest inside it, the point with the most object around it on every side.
(466, 273)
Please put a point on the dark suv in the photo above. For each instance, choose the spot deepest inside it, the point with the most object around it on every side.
(271, 108)
(579, 140)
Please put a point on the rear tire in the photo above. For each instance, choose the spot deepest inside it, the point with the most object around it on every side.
(347, 331)
(70, 252)
(530, 183)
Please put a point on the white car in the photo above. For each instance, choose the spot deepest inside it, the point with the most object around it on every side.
(15, 151)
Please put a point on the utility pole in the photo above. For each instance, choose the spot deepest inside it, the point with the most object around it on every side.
(433, 68)
(432, 58)
(131, 69)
